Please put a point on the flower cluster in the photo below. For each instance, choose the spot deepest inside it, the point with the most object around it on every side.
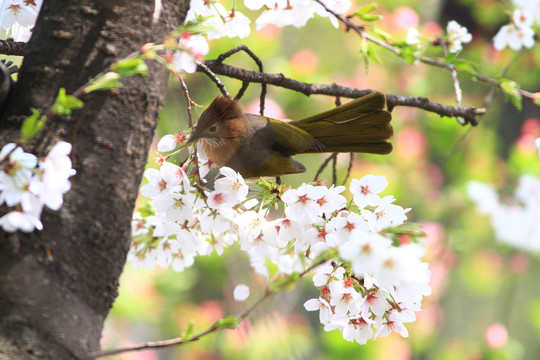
(456, 36)
(221, 22)
(295, 12)
(516, 220)
(29, 183)
(377, 294)
(519, 32)
(191, 48)
(19, 16)
(379, 280)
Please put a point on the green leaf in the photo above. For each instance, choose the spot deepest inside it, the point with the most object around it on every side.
(383, 34)
(187, 334)
(409, 53)
(365, 50)
(65, 103)
(32, 124)
(450, 57)
(199, 26)
(463, 66)
(129, 67)
(146, 210)
(229, 322)
(412, 229)
(271, 268)
(283, 283)
(369, 17)
(104, 82)
(510, 90)
(366, 9)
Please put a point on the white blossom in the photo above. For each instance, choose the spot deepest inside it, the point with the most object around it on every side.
(366, 190)
(161, 182)
(20, 12)
(359, 298)
(167, 143)
(192, 48)
(325, 310)
(30, 184)
(456, 36)
(223, 22)
(241, 292)
(18, 220)
(516, 220)
(513, 37)
(302, 203)
(295, 12)
(412, 36)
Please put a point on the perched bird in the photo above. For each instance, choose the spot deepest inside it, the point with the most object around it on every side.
(256, 145)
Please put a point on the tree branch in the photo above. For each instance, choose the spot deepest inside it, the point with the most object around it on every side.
(12, 47)
(426, 60)
(468, 113)
(214, 328)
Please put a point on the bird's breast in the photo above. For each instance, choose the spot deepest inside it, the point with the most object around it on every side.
(220, 151)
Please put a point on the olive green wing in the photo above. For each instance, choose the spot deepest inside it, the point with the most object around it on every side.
(352, 111)
(276, 164)
(291, 140)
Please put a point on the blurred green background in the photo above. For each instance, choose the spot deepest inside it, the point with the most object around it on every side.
(486, 296)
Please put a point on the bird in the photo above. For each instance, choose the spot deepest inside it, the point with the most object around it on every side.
(259, 146)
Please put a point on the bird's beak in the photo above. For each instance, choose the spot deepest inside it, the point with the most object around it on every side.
(192, 139)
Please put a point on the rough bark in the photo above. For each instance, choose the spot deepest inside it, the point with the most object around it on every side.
(57, 285)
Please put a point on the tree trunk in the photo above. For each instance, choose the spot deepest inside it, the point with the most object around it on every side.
(57, 285)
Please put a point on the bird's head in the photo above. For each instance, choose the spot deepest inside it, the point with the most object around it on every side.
(223, 119)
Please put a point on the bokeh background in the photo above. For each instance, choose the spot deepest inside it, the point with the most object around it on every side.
(486, 296)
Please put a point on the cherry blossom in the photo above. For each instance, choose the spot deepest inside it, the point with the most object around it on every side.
(222, 22)
(513, 37)
(515, 220)
(412, 36)
(456, 36)
(241, 292)
(366, 190)
(29, 183)
(295, 12)
(360, 297)
(519, 33)
(191, 49)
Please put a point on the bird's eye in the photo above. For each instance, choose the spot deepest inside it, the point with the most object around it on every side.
(212, 129)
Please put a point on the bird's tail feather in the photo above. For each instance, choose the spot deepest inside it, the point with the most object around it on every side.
(358, 126)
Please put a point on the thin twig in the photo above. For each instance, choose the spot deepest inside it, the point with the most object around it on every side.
(349, 168)
(334, 169)
(359, 29)
(457, 87)
(16, 48)
(245, 84)
(323, 166)
(189, 102)
(203, 68)
(469, 113)
(214, 328)
(429, 61)
(242, 90)
(491, 94)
